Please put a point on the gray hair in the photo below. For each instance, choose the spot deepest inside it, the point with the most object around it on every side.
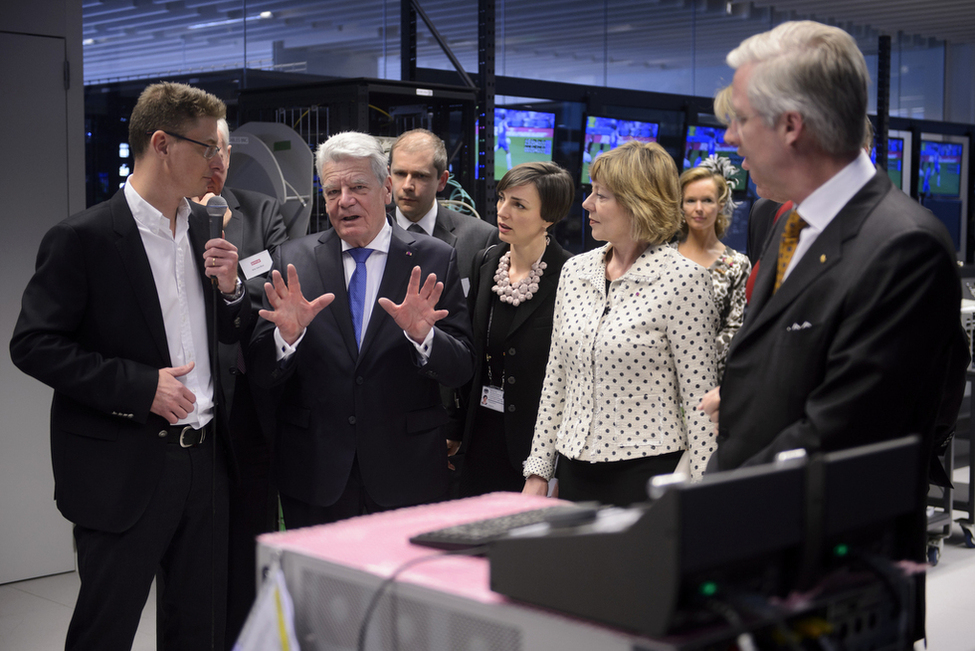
(815, 70)
(352, 144)
(224, 130)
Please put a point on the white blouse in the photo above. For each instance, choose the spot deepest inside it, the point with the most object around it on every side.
(627, 369)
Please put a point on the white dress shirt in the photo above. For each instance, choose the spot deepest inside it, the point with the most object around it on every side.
(826, 201)
(181, 298)
(428, 222)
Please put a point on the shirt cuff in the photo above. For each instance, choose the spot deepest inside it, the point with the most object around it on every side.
(423, 348)
(283, 350)
(238, 293)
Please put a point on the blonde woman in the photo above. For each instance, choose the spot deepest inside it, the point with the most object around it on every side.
(707, 209)
(632, 343)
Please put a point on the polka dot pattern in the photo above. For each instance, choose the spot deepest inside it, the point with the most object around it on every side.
(729, 273)
(627, 368)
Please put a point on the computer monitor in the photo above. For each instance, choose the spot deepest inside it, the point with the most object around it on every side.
(705, 141)
(520, 136)
(939, 172)
(761, 531)
(895, 160)
(603, 134)
(943, 182)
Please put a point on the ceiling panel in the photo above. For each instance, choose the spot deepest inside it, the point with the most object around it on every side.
(571, 38)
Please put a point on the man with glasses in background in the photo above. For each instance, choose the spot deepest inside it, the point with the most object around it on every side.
(118, 320)
(253, 223)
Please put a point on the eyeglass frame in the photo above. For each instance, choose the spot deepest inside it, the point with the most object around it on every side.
(207, 148)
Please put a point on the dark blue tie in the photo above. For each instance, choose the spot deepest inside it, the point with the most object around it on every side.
(357, 290)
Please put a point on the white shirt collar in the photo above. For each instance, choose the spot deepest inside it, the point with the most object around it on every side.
(428, 222)
(378, 243)
(152, 219)
(826, 201)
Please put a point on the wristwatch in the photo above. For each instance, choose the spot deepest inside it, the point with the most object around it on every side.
(238, 292)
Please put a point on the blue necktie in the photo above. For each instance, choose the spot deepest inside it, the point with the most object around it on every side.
(357, 290)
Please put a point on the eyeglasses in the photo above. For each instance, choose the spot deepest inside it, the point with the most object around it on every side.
(209, 151)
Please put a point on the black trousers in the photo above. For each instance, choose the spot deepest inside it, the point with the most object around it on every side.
(612, 482)
(253, 509)
(353, 501)
(180, 540)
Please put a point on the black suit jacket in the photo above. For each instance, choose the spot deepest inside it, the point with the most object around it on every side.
(377, 404)
(255, 224)
(760, 221)
(91, 328)
(854, 346)
(527, 344)
(467, 235)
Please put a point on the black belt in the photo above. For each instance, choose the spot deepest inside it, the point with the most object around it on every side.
(184, 435)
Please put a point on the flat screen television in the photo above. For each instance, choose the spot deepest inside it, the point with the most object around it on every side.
(939, 170)
(704, 141)
(603, 134)
(895, 160)
(520, 137)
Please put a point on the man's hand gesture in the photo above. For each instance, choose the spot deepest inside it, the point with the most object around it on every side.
(290, 312)
(417, 314)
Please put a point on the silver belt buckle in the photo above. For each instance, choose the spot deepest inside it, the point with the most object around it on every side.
(182, 440)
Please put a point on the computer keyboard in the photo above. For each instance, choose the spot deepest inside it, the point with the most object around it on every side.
(481, 532)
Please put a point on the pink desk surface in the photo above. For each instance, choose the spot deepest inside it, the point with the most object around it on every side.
(379, 543)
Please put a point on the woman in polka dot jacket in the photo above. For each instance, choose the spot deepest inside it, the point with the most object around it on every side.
(632, 349)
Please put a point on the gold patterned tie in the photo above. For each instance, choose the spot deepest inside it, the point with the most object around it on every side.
(787, 245)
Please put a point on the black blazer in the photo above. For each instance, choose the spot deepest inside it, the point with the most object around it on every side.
(527, 345)
(255, 224)
(375, 405)
(92, 329)
(760, 221)
(466, 234)
(854, 346)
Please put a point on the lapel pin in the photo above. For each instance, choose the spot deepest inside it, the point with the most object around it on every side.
(409, 253)
(822, 258)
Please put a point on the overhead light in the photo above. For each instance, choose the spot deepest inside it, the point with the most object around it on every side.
(231, 21)
(88, 41)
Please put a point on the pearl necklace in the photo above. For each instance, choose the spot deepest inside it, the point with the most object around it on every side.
(524, 289)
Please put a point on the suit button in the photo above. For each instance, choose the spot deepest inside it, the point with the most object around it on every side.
(511, 352)
(511, 380)
(359, 380)
(351, 420)
(511, 408)
(162, 434)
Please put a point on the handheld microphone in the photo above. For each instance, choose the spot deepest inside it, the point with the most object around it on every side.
(216, 207)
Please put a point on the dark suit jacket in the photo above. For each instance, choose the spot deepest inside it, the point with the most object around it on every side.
(467, 235)
(854, 347)
(376, 405)
(760, 221)
(91, 328)
(527, 344)
(255, 224)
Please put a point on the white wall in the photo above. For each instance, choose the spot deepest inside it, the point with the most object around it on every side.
(41, 182)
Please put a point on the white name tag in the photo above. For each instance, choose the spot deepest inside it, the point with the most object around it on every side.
(256, 264)
(492, 398)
